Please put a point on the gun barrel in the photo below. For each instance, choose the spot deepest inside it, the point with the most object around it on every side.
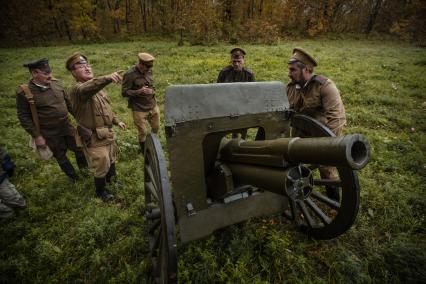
(351, 151)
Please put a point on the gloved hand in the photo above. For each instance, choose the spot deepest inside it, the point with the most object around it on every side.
(8, 165)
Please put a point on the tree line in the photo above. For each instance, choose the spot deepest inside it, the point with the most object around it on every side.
(207, 21)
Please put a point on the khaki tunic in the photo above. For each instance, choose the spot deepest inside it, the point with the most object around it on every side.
(320, 99)
(134, 79)
(229, 75)
(93, 110)
(52, 107)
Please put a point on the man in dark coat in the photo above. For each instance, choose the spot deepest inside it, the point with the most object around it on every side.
(52, 104)
(236, 72)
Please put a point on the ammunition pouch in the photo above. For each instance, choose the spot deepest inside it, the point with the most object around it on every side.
(104, 133)
(85, 134)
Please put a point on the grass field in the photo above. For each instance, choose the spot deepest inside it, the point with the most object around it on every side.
(67, 235)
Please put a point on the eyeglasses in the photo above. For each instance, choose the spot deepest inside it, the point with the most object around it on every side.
(82, 66)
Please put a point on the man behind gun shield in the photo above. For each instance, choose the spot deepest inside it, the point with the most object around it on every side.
(318, 97)
(138, 87)
(236, 72)
(95, 118)
(52, 105)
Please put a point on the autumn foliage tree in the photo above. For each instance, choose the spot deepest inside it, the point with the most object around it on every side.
(207, 21)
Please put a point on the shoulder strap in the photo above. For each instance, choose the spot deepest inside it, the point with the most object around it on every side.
(320, 79)
(30, 98)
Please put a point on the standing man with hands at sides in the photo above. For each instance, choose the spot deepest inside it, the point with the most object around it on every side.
(43, 107)
(95, 119)
(138, 88)
(318, 97)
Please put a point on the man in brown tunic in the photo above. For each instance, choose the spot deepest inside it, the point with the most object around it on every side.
(52, 104)
(138, 87)
(95, 119)
(236, 72)
(318, 97)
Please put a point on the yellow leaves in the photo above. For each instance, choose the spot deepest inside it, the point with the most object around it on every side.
(118, 14)
(317, 26)
(400, 28)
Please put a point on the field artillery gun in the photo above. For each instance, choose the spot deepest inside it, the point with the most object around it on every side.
(219, 181)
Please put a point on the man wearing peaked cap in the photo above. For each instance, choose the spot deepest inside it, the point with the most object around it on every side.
(236, 72)
(146, 57)
(95, 119)
(40, 64)
(300, 55)
(52, 105)
(138, 88)
(237, 52)
(315, 96)
(74, 59)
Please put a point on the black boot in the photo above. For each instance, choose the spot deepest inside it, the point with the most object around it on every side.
(68, 169)
(81, 160)
(111, 173)
(142, 149)
(333, 192)
(101, 190)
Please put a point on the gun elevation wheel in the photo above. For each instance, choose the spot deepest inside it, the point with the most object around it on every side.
(331, 205)
(159, 213)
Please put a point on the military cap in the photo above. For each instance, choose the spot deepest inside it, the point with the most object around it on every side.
(42, 64)
(74, 59)
(237, 52)
(302, 56)
(145, 57)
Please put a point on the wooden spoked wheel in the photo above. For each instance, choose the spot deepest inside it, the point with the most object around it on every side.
(159, 213)
(329, 206)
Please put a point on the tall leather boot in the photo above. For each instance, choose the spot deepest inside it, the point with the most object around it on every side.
(101, 191)
(68, 169)
(81, 160)
(111, 173)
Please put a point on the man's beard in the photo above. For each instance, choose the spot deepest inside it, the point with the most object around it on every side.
(300, 81)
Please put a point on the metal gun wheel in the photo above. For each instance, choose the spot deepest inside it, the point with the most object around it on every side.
(318, 214)
(159, 213)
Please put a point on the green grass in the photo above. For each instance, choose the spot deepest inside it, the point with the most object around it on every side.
(67, 235)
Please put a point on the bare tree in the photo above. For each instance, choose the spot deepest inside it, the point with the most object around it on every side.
(373, 15)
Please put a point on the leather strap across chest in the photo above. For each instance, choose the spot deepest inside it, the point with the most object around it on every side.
(30, 98)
